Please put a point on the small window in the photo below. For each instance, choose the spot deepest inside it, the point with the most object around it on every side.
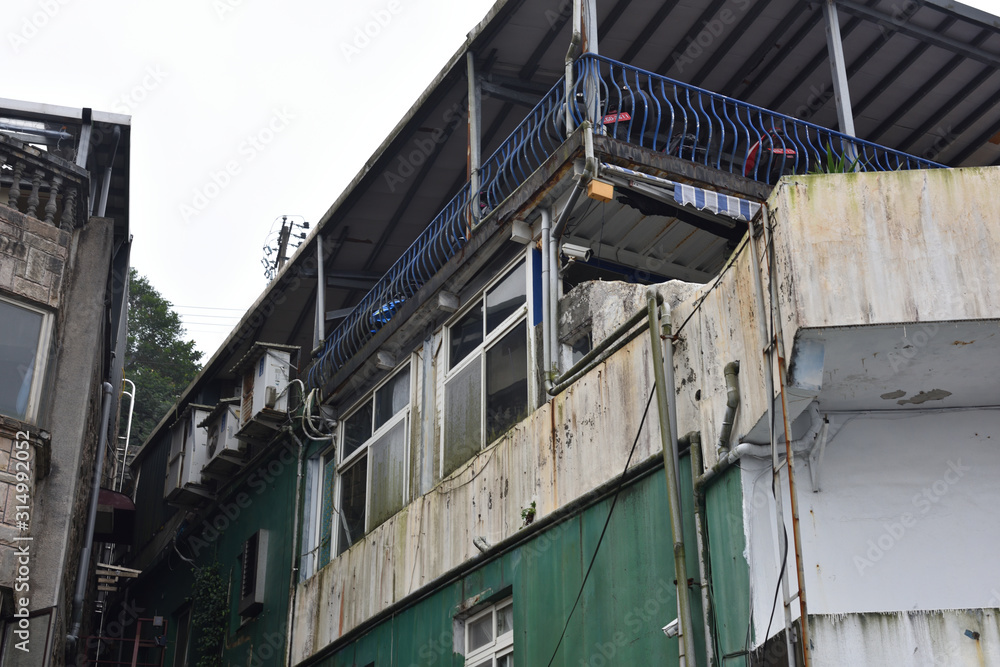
(486, 388)
(183, 638)
(23, 352)
(489, 636)
(252, 569)
(372, 469)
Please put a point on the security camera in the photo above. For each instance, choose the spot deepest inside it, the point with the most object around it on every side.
(670, 629)
(579, 252)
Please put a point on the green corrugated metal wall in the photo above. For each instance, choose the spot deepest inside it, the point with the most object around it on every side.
(628, 598)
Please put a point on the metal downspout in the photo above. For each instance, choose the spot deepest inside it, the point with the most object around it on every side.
(731, 372)
(685, 635)
(762, 318)
(611, 344)
(106, 185)
(88, 537)
(128, 432)
(553, 285)
(704, 557)
(547, 322)
(296, 548)
(789, 456)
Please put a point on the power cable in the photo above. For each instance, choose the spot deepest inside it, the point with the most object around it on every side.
(614, 501)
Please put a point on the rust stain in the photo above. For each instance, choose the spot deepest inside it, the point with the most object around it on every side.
(962, 342)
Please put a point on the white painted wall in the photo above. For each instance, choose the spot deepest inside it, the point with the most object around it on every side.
(906, 518)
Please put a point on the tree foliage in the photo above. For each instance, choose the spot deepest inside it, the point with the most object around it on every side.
(209, 614)
(158, 359)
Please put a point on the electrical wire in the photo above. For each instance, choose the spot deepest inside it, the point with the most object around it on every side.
(600, 540)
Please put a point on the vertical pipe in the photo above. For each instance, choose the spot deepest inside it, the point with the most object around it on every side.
(769, 392)
(789, 459)
(128, 432)
(88, 537)
(694, 439)
(320, 328)
(474, 152)
(547, 322)
(296, 547)
(685, 636)
(106, 185)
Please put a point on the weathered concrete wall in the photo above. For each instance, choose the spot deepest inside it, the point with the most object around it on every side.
(33, 257)
(887, 247)
(907, 639)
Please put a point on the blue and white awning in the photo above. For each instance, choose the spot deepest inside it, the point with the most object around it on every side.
(707, 200)
(688, 195)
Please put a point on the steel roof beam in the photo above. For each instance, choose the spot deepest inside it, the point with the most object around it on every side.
(942, 113)
(838, 69)
(923, 34)
(766, 46)
(612, 18)
(782, 54)
(652, 26)
(739, 28)
(977, 143)
(897, 71)
(708, 15)
(966, 123)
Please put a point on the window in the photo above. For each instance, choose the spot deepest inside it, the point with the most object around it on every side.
(370, 468)
(489, 636)
(23, 351)
(183, 637)
(253, 567)
(486, 388)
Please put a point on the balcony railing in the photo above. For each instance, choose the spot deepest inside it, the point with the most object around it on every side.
(632, 105)
(41, 185)
(720, 132)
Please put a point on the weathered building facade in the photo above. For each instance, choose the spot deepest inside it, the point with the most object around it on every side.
(659, 378)
(64, 246)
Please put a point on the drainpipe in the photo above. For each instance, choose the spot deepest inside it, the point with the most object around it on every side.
(553, 286)
(88, 538)
(704, 557)
(789, 456)
(547, 322)
(731, 372)
(106, 185)
(296, 548)
(685, 635)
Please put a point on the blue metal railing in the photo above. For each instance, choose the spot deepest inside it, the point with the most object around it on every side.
(694, 124)
(628, 104)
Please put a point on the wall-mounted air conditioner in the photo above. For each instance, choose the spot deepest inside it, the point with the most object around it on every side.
(225, 451)
(264, 373)
(188, 455)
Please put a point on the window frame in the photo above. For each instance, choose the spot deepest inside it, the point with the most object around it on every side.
(363, 450)
(40, 365)
(489, 340)
(499, 646)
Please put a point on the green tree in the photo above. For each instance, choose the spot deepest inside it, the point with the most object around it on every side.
(158, 360)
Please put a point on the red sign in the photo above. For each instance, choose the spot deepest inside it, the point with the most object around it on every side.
(614, 117)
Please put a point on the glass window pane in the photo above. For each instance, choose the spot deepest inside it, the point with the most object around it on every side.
(505, 619)
(351, 522)
(466, 335)
(507, 382)
(388, 473)
(392, 397)
(505, 297)
(463, 436)
(327, 516)
(18, 345)
(357, 429)
(480, 632)
(506, 661)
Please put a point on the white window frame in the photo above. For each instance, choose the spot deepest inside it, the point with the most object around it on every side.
(500, 647)
(478, 355)
(343, 464)
(38, 372)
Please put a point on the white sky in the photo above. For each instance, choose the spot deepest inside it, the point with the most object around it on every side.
(200, 79)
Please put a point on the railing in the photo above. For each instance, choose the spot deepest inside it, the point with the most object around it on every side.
(632, 105)
(720, 132)
(42, 186)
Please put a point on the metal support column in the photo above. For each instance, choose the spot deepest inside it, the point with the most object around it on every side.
(319, 330)
(475, 136)
(835, 47)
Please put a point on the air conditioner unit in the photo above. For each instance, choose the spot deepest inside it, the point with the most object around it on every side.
(188, 454)
(225, 451)
(264, 373)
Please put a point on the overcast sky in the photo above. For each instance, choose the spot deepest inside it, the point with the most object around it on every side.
(242, 111)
